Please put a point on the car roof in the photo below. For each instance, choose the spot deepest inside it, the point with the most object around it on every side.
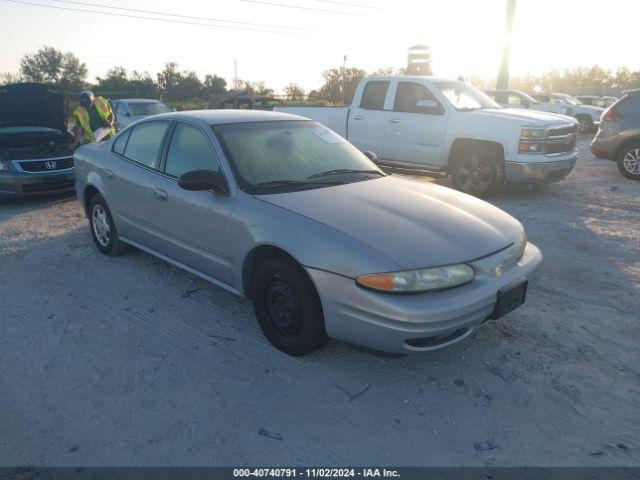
(136, 100)
(222, 116)
(414, 77)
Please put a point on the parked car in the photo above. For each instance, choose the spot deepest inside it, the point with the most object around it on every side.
(618, 137)
(587, 115)
(281, 209)
(602, 101)
(512, 98)
(129, 110)
(35, 153)
(448, 127)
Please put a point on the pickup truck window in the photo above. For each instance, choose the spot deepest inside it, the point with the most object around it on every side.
(409, 94)
(465, 97)
(145, 141)
(374, 94)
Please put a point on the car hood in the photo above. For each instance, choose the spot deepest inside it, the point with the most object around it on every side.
(527, 117)
(416, 224)
(32, 105)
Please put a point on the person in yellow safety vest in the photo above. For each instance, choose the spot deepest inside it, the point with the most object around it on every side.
(92, 113)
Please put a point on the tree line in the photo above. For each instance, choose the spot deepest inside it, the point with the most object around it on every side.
(185, 89)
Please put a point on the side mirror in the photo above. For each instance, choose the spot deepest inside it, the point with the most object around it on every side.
(201, 180)
(431, 107)
(371, 156)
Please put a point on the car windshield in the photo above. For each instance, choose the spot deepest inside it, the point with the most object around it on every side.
(139, 109)
(570, 100)
(464, 96)
(291, 154)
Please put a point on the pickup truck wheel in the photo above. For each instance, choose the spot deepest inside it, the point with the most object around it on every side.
(629, 162)
(586, 123)
(477, 175)
(103, 229)
(288, 307)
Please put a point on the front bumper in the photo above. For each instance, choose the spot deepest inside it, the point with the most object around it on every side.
(392, 323)
(543, 170)
(18, 184)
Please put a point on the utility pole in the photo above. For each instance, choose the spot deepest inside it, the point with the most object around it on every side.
(503, 76)
(344, 80)
(235, 75)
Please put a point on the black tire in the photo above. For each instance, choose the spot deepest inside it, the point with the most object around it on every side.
(476, 173)
(629, 161)
(586, 124)
(105, 236)
(288, 308)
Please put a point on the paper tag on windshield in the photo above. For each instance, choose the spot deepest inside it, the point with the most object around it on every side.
(327, 135)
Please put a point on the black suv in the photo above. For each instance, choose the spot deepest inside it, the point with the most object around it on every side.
(618, 137)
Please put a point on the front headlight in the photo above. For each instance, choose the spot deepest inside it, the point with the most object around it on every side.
(530, 147)
(520, 245)
(533, 134)
(415, 281)
(4, 166)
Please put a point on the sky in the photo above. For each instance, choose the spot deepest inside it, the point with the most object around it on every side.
(302, 38)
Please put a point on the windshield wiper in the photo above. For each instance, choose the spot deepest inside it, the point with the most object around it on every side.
(339, 171)
(285, 183)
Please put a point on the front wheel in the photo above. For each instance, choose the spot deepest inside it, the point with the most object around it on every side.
(477, 175)
(585, 124)
(629, 162)
(288, 307)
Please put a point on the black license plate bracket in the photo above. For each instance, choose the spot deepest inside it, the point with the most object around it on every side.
(510, 297)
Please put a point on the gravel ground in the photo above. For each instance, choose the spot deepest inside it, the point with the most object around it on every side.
(130, 361)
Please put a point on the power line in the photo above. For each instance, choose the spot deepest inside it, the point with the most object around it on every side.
(300, 7)
(140, 17)
(346, 4)
(177, 15)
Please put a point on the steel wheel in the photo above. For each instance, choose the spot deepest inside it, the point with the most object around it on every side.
(475, 175)
(283, 306)
(100, 224)
(631, 161)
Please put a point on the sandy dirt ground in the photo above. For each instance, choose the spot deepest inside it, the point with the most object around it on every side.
(130, 361)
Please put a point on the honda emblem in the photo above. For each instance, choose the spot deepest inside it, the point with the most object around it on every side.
(51, 165)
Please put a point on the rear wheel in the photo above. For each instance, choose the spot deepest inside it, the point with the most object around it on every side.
(103, 229)
(629, 161)
(477, 174)
(288, 307)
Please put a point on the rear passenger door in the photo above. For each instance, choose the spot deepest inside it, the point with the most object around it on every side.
(415, 128)
(367, 119)
(127, 179)
(193, 228)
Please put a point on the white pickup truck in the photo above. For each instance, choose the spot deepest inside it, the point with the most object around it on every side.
(448, 127)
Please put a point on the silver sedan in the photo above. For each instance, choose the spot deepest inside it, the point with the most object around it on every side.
(281, 209)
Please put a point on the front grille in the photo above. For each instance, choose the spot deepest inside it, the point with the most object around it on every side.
(562, 131)
(47, 165)
(552, 148)
(48, 187)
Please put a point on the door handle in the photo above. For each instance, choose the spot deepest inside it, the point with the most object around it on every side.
(160, 194)
(357, 117)
(108, 173)
(394, 120)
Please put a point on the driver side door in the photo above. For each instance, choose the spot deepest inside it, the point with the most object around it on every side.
(192, 227)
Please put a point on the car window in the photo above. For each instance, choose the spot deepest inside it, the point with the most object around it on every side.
(374, 95)
(515, 99)
(120, 142)
(145, 141)
(409, 94)
(121, 109)
(189, 150)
